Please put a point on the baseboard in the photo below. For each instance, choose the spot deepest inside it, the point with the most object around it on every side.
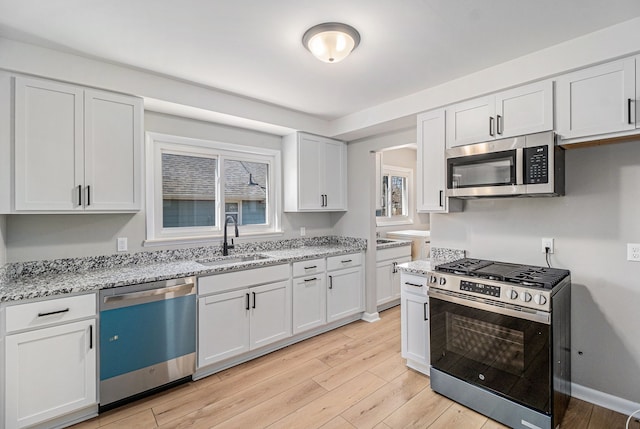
(605, 400)
(371, 317)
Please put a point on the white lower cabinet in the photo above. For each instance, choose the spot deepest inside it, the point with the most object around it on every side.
(344, 286)
(414, 322)
(231, 322)
(50, 371)
(387, 274)
(309, 295)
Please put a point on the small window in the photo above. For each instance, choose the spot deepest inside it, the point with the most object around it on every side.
(396, 183)
(194, 185)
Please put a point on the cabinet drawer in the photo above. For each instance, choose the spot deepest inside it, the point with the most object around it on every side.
(414, 284)
(44, 313)
(393, 253)
(344, 261)
(238, 279)
(306, 268)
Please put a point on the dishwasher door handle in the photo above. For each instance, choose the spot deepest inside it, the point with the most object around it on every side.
(134, 298)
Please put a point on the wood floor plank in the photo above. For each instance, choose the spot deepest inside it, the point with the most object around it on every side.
(367, 413)
(276, 407)
(142, 420)
(578, 414)
(354, 367)
(457, 416)
(391, 368)
(353, 348)
(223, 401)
(337, 423)
(420, 411)
(603, 418)
(324, 409)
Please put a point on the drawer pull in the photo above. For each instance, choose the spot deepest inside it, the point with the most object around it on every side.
(309, 268)
(311, 280)
(53, 312)
(347, 261)
(412, 284)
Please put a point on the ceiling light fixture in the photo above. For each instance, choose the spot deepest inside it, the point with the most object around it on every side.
(331, 42)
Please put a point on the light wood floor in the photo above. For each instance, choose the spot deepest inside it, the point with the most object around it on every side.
(352, 377)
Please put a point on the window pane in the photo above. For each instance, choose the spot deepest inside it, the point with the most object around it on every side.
(188, 191)
(246, 182)
(385, 192)
(398, 196)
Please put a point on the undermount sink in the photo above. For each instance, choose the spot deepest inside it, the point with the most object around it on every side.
(233, 260)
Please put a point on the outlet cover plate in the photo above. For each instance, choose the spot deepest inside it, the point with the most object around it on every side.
(547, 242)
(633, 252)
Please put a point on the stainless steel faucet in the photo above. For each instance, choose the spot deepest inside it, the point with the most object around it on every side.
(225, 246)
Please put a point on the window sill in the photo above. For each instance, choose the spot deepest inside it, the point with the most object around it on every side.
(209, 239)
(391, 222)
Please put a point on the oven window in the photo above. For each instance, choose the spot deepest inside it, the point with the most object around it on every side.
(507, 355)
(486, 342)
(493, 169)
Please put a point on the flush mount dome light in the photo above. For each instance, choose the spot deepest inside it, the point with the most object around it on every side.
(331, 42)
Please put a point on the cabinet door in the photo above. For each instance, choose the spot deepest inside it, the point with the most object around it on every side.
(431, 162)
(49, 154)
(113, 147)
(597, 100)
(309, 302)
(270, 313)
(223, 326)
(344, 293)
(310, 173)
(335, 175)
(524, 110)
(414, 313)
(384, 279)
(49, 372)
(471, 122)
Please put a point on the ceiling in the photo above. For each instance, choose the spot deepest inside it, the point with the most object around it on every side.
(253, 48)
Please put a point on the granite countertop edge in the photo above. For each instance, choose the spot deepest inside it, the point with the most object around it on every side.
(393, 243)
(58, 284)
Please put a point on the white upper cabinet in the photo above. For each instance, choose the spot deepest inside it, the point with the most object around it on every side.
(597, 100)
(315, 173)
(522, 110)
(76, 149)
(431, 165)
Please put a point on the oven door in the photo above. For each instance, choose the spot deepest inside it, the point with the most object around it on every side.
(486, 169)
(501, 349)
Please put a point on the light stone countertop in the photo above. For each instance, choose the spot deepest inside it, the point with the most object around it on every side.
(47, 284)
(392, 243)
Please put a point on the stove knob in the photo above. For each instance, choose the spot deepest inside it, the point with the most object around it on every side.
(526, 297)
(442, 281)
(512, 294)
(540, 299)
(432, 279)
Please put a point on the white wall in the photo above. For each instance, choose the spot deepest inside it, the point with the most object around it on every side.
(3, 234)
(591, 226)
(35, 237)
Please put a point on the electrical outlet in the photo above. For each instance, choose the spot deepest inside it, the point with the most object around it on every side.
(633, 252)
(547, 242)
(122, 244)
(303, 231)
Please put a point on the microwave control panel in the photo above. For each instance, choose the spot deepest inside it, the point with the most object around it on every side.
(536, 165)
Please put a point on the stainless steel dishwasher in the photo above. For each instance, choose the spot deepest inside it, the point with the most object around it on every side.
(147, 338)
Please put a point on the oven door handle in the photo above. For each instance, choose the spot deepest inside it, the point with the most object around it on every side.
(508, 309)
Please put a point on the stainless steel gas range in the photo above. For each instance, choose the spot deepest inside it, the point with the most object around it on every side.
(501, 340)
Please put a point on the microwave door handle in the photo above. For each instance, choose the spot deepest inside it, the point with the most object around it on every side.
(519, 166)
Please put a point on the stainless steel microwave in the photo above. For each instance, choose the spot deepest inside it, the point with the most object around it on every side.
(531, 165)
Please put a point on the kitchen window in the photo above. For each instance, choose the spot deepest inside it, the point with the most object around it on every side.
(396, 187)
(193, 185)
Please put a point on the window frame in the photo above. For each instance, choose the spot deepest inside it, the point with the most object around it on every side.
(407, 173)
(157, 143)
